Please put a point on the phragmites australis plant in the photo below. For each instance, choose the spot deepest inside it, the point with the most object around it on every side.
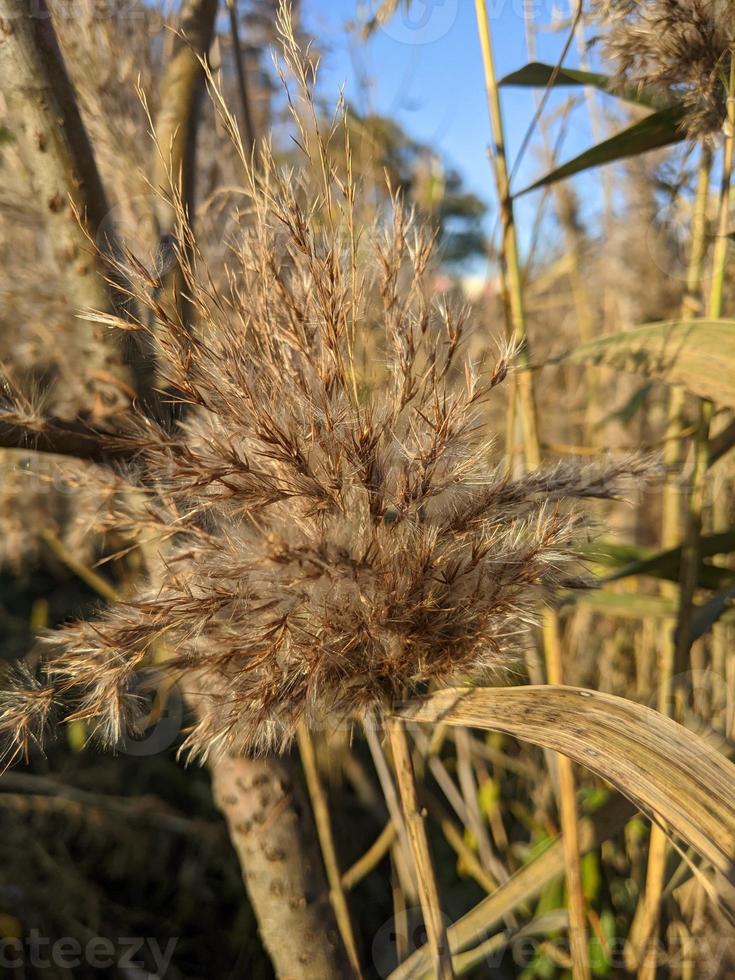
(331, 527)
(679, 46)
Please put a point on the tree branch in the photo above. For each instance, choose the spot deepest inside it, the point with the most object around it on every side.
(62, 438)
(272, 831)
(45, 120)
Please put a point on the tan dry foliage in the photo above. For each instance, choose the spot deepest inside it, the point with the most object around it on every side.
(334, 527)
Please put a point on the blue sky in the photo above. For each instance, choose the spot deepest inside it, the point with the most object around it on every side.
(427, 74)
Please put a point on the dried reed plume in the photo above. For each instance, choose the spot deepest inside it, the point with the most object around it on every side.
(333, 528)
(680, 46)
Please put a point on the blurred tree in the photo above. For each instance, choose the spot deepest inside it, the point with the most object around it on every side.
(383, 149)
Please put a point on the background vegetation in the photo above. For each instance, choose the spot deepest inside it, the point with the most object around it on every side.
(622, 346)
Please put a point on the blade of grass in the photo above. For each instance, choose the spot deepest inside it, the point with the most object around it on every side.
(660, 129)
(697, 354)
(536, 74)
(494, 946)
(628, 560)
(670, 773)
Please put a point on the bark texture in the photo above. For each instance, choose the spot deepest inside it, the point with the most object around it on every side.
(178, 116)
(272, 831)
(53, 142)
(174, 160)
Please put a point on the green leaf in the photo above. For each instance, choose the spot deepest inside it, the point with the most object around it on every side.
(591, 876)
(552, 897)
(623, 605)
(662, 128)
(697, 354)
(629, 560)
(599, 961)
(708, 614)
(488, 796)
(628, 605)
(539, 75)
(627, 412)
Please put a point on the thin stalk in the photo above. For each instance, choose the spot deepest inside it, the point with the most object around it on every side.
(671, 516)
(400, 918)
(414, 816)
(242, 78)
(402, 854)
(510, 255)
(723, 639)
(582, 301)
(100, 585)
(647, 916)
(440, 774)
(568, 814)
(532, 454)
(320, 808)
(371, 858)
(476, 824)
(566, 213)
(721, 633)
(174, 160)
(690, 552)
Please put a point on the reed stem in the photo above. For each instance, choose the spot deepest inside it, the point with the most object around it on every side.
(419, 842)
(691, 548)
(647, 916)
(320, 807)
(532, 456)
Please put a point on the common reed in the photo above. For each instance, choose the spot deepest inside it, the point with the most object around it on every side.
(338, 529)
(678, 46)
(327, 527)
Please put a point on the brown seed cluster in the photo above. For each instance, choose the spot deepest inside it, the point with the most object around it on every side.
(330, 526)
(683, 47)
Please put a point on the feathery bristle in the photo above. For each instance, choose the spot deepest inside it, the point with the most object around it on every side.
(335, 527)
(680, 46)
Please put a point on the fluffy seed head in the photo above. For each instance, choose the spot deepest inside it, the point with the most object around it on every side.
(331, 527)
(683, 47)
